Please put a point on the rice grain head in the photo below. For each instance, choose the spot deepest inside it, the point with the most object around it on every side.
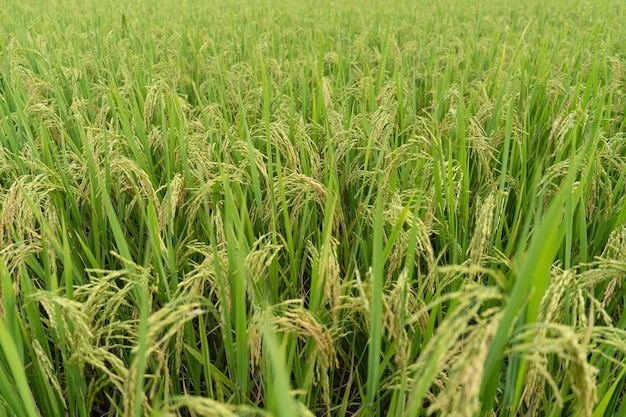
(483, 229)
(329, 273)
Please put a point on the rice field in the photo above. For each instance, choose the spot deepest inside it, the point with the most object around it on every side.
(312, 208)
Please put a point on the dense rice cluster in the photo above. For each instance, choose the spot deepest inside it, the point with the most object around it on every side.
(238, 208)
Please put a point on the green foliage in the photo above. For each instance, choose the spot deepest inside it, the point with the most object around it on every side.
(312, 208)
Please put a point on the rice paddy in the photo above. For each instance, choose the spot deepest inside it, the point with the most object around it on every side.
(312, 208)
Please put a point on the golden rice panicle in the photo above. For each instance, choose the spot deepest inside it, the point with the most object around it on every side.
(329, 273)
(483, 230)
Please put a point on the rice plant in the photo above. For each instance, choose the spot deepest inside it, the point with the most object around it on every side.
(316, 208)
